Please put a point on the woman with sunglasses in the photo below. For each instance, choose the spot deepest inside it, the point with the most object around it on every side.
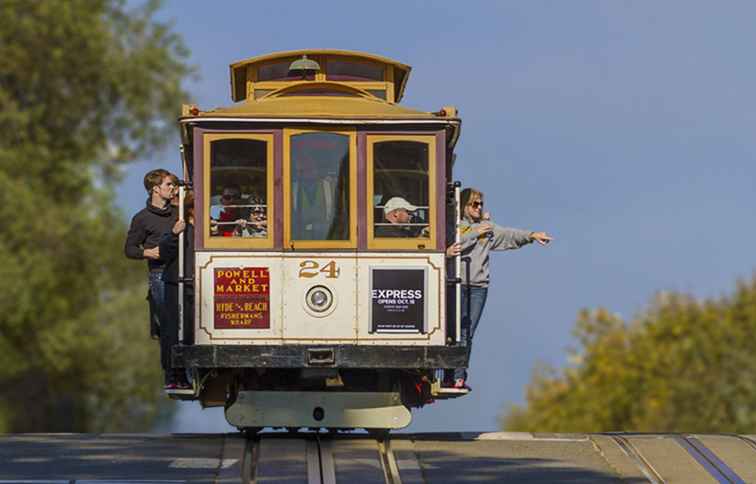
(478, 236)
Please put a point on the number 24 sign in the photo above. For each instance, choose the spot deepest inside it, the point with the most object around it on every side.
(311, 268)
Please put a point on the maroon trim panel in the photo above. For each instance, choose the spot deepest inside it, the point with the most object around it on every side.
(362, 205)
(198, 183)
(198, 186)
(441, 190)
(440, 180)
(278, 181)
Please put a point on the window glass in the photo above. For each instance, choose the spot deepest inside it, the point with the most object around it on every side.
(262, 92)
(279, 71)
(401, 189)
(238, 188)
(319, 91)
(379, 93)
(345, 70)
(319, 186)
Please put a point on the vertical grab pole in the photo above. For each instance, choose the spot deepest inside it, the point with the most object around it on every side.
(182, 192)
(457, 266)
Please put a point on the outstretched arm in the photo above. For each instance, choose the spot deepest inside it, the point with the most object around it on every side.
(506, 238)
(541, 237)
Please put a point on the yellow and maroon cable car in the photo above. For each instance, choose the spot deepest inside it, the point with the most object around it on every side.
(323, 209)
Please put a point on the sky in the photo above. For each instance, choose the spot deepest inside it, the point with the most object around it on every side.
(624, 129)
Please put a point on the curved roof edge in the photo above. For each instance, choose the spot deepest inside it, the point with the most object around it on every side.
(238, 67)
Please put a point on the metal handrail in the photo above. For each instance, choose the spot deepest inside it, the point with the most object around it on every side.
(181, 255)
(457, 265)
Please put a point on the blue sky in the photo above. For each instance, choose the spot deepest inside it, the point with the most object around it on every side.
(625, 129)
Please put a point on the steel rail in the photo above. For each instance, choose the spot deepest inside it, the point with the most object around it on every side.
(249, 460)
(643, 465)
(708, 460)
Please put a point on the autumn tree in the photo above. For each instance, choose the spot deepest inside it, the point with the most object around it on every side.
(683, 365)
(86, 86)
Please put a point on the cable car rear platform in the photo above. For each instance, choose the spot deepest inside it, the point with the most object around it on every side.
(319, 356)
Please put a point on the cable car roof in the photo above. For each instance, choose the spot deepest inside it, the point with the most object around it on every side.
(321, 107)
(240, 72)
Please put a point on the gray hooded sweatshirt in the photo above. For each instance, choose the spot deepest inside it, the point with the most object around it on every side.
(477, 247)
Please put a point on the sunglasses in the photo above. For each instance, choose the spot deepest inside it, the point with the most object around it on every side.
(476, 204)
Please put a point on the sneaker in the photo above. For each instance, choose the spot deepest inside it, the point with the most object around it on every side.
(179, 376)
(169, 377)
(183, 385)
(461, 385)
(170, 386)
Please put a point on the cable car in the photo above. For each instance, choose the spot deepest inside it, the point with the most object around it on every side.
(324, 298)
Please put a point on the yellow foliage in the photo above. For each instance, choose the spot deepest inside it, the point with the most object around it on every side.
(683, 365)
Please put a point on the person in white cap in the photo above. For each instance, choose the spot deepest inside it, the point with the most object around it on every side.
(397, 213)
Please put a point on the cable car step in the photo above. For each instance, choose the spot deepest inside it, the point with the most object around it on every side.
(444, 393)
(181, 394)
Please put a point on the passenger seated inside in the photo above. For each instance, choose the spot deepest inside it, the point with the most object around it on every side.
(316, 198)
(398, 216)
(256, 224)
(230, 215)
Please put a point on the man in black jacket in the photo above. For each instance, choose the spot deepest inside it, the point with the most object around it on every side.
(147, 226)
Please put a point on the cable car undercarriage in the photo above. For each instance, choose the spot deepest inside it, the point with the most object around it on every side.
(314, 397)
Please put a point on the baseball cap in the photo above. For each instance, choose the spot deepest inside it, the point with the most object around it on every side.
(397, 202)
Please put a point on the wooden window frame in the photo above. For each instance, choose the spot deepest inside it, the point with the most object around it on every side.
(215, 242)
(293, 244)
(413, 243)
(322, 76)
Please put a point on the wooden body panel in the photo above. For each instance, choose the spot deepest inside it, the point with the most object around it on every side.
(348, 277)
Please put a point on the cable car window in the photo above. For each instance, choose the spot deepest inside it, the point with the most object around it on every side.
(401, 198)
(319, 190)
(279, 71)
(239, 188)
(319, 92)
(345, 70)
(379, 93)
(262, 92)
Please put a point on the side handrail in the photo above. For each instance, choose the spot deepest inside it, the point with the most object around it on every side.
(181, 255)
(468, 297)
(457, 265)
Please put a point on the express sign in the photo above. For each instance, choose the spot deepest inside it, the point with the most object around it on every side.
(398, 300)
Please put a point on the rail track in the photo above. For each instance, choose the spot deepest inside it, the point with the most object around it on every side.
(325, 458)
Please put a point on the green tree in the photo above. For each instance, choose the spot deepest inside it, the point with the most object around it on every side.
(683, 365)
(85, 87)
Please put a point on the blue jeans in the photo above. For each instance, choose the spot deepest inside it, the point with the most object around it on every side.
(156, 297)
(477, 298)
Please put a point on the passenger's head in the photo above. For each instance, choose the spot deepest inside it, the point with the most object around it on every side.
(398, 210)
(257, 212)
(189, 205)
(306, 169)
(472, 203)
(175, 180)
(230, 195)
(159, 182)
